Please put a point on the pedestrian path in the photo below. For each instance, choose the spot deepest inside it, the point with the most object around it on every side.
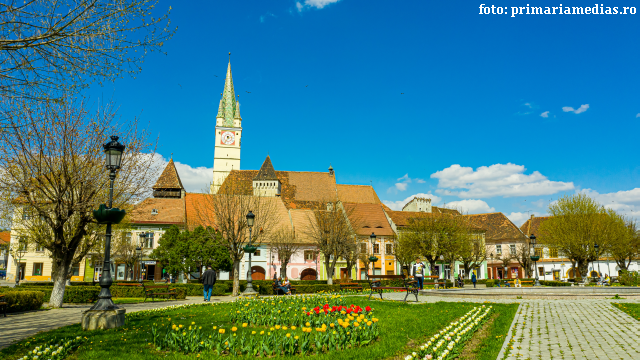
(16, 327)
(583, 329)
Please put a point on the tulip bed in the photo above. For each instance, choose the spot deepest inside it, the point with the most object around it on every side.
(448, 343)
(53, 350)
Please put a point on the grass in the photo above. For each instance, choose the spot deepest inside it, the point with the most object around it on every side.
(632, 309)
(403, 327)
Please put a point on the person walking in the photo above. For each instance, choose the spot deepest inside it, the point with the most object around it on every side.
(418, 272)
(208, 280)
(474, 279)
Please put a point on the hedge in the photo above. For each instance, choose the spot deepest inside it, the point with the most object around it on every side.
(89, 294)
(629, 278)
(18, 301)
(490, 283)
(554, 283)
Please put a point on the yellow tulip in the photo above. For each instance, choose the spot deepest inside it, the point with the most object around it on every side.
(245, 324)
(234, 329)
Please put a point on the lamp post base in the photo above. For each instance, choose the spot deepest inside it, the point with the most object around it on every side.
(249, 292)
(102, 319)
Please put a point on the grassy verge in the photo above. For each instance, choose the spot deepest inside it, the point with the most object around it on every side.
(137, 300)
(632, 309)
(402, 327)
(490, 347)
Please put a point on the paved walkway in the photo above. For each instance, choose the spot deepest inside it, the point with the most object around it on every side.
(19, 326)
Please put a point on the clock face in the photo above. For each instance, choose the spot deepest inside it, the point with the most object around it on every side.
(228, 137)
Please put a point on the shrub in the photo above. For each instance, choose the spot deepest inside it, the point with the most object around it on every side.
(629, 278)
(18, 301)
(490, 283)
(554, 283)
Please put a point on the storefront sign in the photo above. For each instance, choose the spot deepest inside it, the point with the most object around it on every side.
(149, 262)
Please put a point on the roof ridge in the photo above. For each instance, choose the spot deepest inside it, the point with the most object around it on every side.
(266, 172)
(166, 179)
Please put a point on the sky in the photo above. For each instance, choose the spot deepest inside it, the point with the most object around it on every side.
(482, 112)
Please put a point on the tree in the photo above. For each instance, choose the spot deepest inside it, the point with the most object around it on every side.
(329, 229)
(523, 256)
(173, 250)
(472, 252)
(284, 244)
(624, 240)
(224, 214)
(351, 253)
(206, 250)
(421, 234)
(54, 46)
(404, 250)
(577, 223)
(53, 176)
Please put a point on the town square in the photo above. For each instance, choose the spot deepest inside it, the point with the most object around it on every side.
(421, 181)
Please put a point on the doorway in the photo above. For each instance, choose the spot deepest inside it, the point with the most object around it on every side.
(23, 269)
(308, 274)
(151, 271)
(344, 274)
(257, 273)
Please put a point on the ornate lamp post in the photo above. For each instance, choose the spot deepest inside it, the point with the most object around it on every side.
(492, 276)
(104, 314)
(139, 256)
(250, 249)
(373, 258)
(534, 257)
(22, 249)
(598, 257)
(143, 236)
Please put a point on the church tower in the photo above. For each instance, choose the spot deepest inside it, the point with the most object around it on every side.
(226, 156)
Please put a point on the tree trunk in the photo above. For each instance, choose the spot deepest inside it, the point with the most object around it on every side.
(59, 276)
(236, 277)
(623, 265)
(327, 265)
(283, 268)
(583, 268)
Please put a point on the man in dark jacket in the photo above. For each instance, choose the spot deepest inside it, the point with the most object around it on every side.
(208, 280)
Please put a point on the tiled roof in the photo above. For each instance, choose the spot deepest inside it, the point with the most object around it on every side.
(302, 220)
(5, 237)
(360, 194)
(169, 179)
(266, 171)
(440, 210)
(300, 190)
(368, 218)
(532, 225)
(498, 226)
(401, 218)
(199, 210)
(169, 211)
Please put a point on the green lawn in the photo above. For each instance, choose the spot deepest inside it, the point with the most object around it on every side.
(632, 309)
(136, 300)
(403, 327)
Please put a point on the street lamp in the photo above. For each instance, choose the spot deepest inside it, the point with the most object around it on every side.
(534, 257)
(96, 317)
(143, 236)
(22, 249)
(491, 256)
(373, 258)
(249, 291)
(139, 255)
(598, 257)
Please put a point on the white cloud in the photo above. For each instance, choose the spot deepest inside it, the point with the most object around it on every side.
(519, 218)
(196, 179)
(539, 203)
(528, 105)
(625, 202)
(506, 180)
(471, 206)
(398, 205)
(318, 4)
(581, 109)
(638, 116)
(403, 183)
(265, 16)
(420, 181)
(401, 186)
(545, 114)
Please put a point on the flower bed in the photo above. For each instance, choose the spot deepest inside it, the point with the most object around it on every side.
(53, 350)
(448, 343)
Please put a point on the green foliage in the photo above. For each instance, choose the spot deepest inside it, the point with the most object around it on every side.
(183, 251)
(23, 300)
(490, 283)
(632, 309)
(72, 294)
(554, 283)
(629, 278)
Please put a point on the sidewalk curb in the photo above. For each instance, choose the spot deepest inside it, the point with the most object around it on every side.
(507, 338)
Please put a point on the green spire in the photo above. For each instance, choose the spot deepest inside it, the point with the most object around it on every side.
(228, 104)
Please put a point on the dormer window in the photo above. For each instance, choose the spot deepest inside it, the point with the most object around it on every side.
(154, 211)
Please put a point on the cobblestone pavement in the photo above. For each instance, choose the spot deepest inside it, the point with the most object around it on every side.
(563, 329)
(19, 326)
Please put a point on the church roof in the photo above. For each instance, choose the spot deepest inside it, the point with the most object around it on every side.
(532, 225)
(361, 194)
(169, 179)
(368, 218)
(159, 211)
(498, 227)
(266, 171)
(228, 109)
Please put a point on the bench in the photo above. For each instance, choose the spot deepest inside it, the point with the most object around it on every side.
(277, 291)
(149, 291)
(4, 305)
(435, 281)
(345, 285)
(410, 287)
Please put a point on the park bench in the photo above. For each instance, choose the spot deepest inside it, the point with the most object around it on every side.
(4, 305)
(435, 281)
(346, 285)
(277, 291)
(150, 292)
(409, 286)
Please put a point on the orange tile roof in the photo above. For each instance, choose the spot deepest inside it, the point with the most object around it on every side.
(361, 194)
(5, 237)
(441, 210)
(498, 227)
(532, 226)
(368, 218)
(302, 221)
(170, 211)
(169, 179)
(401, 218)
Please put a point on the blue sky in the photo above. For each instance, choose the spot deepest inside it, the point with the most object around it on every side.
(483, 112)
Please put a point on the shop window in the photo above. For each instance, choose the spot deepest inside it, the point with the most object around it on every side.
(75, 271)
(540, 271)
(37, 269)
